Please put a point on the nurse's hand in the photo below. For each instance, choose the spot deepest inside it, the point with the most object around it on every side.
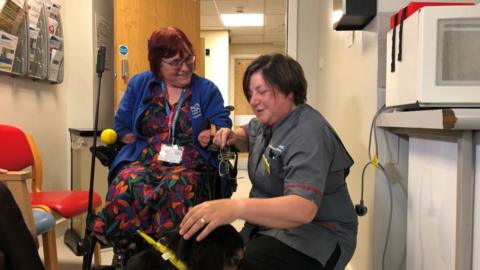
(224, 136)
(208, 216)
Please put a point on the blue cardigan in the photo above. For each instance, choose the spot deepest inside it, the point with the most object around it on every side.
(206, 103)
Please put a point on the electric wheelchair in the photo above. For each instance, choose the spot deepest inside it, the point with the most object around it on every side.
(217, 183)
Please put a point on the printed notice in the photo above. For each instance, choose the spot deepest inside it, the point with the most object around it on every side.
(8, 44)
(11, 15)
(57, 58)
(52, 26)
(34, 9)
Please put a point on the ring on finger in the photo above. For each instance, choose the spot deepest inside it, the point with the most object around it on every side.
(203, 221)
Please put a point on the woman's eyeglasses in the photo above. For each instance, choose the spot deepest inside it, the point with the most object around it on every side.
(224, 165)
(177, 64)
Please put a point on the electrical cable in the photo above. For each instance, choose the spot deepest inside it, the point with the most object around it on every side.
(376, 164)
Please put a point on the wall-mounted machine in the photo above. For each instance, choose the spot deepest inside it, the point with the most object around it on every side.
(433, 56)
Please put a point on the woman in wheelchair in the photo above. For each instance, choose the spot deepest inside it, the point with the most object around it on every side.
(155, 176)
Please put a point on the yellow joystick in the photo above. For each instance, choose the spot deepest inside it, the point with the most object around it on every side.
(108, 136)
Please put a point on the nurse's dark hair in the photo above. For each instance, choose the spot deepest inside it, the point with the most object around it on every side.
(281, 72)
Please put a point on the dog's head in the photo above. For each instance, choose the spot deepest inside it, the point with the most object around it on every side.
(221, 249)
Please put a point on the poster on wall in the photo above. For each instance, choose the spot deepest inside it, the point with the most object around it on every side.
(8, 44)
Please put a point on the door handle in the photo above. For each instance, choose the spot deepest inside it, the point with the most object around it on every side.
(124, 68)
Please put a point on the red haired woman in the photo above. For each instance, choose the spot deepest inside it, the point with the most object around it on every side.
(157, 173)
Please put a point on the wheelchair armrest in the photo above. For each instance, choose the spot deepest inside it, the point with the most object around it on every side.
(106, 154)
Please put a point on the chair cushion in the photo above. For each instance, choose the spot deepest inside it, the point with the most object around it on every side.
(66, 203)
(44, 221)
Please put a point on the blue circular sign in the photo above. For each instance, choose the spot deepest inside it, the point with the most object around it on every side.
(123, 50)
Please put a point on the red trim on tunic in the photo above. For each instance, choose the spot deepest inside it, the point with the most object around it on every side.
(306, 187)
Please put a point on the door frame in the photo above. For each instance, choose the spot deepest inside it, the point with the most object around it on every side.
(292, 24)
(231, 75)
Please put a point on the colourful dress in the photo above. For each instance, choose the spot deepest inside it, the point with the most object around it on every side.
(149, 194)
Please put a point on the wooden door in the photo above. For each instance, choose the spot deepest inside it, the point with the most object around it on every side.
(134, 21)
(242, 107)
(243, 110)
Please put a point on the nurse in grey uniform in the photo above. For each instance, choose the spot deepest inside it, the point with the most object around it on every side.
(299, 214)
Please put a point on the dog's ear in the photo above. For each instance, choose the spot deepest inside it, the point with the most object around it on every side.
(216, 249)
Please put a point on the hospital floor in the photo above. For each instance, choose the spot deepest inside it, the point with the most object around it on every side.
(68, 261)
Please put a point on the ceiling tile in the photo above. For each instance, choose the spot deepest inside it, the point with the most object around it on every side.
(274, 37)
(274, 29)
(247, 39)
(207, 8)
(246, 31)
(274, 20)
(249, 6)
(210, 21)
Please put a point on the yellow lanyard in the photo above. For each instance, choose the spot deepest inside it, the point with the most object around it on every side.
(167, 254)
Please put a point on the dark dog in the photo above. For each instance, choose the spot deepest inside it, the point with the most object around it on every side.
(221, 249)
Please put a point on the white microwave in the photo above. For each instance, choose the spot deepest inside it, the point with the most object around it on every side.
(433, 58)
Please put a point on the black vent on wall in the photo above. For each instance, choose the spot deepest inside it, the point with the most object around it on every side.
(356, 14)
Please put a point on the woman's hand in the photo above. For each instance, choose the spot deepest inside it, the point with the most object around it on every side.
(204, 138)
(209, 215)
(128, 138)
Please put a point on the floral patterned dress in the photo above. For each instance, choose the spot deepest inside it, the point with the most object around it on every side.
(149, 194)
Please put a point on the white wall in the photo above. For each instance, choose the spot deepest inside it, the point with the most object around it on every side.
(104, 9)
(308, 41)
(47, 111)
(81, 53)
(342, 85)
(347, 88)
(217, 63)
(40, 108)
(78, 63)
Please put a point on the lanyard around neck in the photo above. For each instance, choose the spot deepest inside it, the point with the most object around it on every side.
(173, 117)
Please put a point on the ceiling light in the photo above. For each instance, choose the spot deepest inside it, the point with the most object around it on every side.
(242, 19)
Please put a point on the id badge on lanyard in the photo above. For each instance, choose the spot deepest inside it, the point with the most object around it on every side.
(172, 153)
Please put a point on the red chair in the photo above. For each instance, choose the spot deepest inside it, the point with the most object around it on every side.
(19, 151)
